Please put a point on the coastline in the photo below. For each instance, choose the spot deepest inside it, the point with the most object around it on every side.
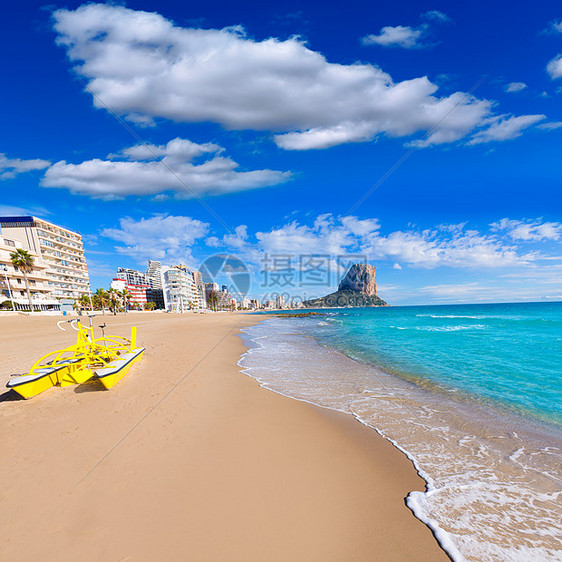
(221, 468)
(480, 464)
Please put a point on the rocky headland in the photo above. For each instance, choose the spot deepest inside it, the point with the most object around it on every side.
(357, 289)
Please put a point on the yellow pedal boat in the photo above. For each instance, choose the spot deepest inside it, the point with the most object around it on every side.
(108, 358)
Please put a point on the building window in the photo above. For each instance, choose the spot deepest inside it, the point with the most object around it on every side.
(9, 242)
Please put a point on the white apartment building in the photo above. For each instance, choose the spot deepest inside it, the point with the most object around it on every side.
(12, 281)
(154, 274)
(179, 288)
(132, 276)
(60, 249)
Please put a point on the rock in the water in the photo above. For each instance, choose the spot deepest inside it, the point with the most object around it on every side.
(357, 288)
(360, 278)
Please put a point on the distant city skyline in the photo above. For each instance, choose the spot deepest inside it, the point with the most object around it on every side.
(421, 138)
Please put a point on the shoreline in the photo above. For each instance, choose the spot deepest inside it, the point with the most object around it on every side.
(248, 473)
(468, 455)
(411, 501)
(441, 537)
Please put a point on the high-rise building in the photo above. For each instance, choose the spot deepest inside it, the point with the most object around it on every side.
(154, 274)
(154, 278)
(179, 288)
(60, 249)
(211, 294)
(200, 289)
(12, 281)
(132, 276)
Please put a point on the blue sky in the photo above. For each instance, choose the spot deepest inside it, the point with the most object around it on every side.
(177, 131)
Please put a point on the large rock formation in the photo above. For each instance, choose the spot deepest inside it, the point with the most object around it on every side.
(357, 288)
(360, 278)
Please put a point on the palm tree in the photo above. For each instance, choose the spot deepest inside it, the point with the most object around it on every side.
(84, 301)
(126, 296)
(101, 299)
(23, 261)
(214, 300)
(114, 298)
(150, 305)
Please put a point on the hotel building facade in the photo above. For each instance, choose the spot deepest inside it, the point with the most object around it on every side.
(12, 281)
(58, 253)
(179, 288)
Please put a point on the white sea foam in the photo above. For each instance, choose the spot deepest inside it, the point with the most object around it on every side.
(452, 316)
(449, 328)
(492, 493)
(472, 317)
(441, 328)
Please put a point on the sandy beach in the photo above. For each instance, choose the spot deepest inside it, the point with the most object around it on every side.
(188, 459)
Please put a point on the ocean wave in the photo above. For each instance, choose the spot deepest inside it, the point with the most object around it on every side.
(449, 328)
(441, 328)
(471, 317)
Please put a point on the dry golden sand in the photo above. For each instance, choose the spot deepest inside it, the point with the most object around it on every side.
(187, 459)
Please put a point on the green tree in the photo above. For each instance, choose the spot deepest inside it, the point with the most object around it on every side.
(101, 299)
(23, 261)
(214, 300)
(150, 305)
(84, 302)
(125, 296)
(114, 298)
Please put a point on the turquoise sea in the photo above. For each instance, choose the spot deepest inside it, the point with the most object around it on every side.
(471, 393)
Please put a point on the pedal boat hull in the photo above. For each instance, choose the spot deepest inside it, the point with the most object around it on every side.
(109, 376)
(40, 380)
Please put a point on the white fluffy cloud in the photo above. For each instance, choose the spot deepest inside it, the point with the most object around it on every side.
(11, 167)
(505, 128)
(554, 67)
(156, 169)
(162, 237)
(446, 245)
(551, 126)
(177, 150)
(144, 67)
(405, 36)
(515, 87)
(398, 36)
(533, 230)
(327, 235)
